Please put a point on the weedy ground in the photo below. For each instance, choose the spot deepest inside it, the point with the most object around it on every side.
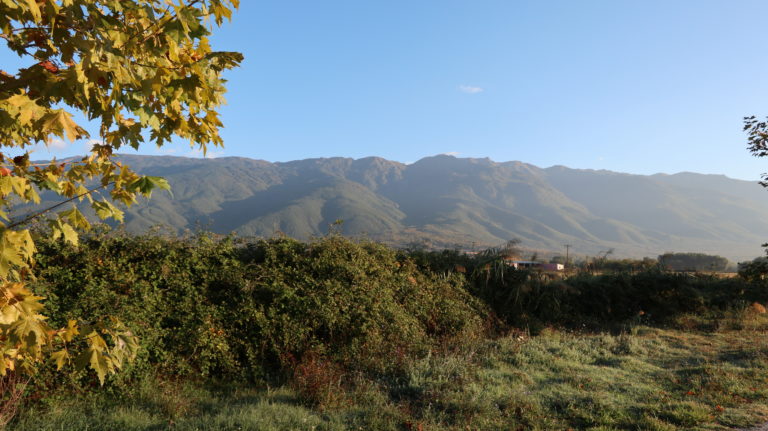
(702, 375)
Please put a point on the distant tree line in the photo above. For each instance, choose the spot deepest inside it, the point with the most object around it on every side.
(684, 262)
(694, 262)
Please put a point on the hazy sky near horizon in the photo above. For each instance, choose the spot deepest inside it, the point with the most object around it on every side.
(640, 87)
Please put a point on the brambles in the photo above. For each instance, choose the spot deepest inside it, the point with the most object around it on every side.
(12, 387)
(341, 323)
(230, 309)
(319, 381)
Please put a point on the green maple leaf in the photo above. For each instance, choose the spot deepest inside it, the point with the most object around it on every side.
(63, 230)
(75, 218)
(96, 360)
(61, 358)
(105, 209)
(28, 330)
(145, 185)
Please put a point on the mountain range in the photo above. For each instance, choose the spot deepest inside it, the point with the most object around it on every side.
(444, 201)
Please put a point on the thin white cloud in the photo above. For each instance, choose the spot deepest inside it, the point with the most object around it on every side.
(194, 152)
(198, 153)
(452, 153)
(56, 144)
(470, 89)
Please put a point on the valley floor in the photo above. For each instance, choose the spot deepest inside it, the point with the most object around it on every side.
(644, 379)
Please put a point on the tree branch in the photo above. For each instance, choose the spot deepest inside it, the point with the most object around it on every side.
(53, 207)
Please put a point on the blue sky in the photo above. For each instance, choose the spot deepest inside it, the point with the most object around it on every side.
(641, 87)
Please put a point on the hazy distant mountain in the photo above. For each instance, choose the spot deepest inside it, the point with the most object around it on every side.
(448, 201)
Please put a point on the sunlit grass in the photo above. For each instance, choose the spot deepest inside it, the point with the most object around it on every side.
(643, 379)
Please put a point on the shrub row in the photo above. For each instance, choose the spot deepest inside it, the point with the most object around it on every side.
(229, 309)
(529, 297)
(220, 308)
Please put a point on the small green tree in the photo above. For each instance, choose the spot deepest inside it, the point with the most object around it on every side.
(143, 70)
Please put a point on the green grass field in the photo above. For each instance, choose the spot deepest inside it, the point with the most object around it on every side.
(643, 379)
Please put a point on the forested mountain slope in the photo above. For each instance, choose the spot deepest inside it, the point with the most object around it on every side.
(446, 201)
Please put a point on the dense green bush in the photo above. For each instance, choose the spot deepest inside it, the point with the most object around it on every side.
(221, 308)
(526, 297)
(353, 301)
(170, 292)
(754, 270)
(598, 300)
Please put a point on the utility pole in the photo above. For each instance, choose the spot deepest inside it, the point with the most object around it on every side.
(567, 250)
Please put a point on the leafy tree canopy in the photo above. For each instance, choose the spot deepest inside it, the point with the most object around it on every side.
(757, 140)
(142, 70)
